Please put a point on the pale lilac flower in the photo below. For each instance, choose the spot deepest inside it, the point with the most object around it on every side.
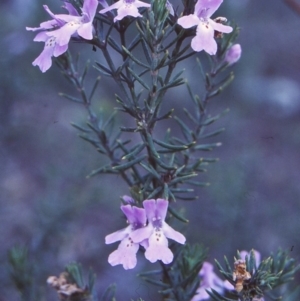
(233, 54)
(63, 27)
(208, 280)
(127, 249)
(75, 24)
(157, 231)
(128, 199)
(125, 8)
(206, 27)
(51, 48)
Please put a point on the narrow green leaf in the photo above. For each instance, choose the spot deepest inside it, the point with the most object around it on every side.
(139, 79)
(151, 145)
(179, 170)
(136, 150)
(103, 169)
(166, 192)
(182, 179)
(130, 163)
(156, 282)
(186, 131)
(102, 69)
(78, 127)
(94, 88)
(190, 116)
(177, 215)
(154, 193)
(109, 293)
(199, 184)
(212, 134)
(209, 121)
(207, 147)
(135, 59)
(163, 165)
(172, 146)
(114, 45)
(172, 84)
(75, 99)
(147, 273)
(82, 78)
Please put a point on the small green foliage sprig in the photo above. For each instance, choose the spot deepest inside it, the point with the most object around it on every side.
(264, 277)
(153, 167)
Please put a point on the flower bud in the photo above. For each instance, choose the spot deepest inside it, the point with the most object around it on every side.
(233, 54)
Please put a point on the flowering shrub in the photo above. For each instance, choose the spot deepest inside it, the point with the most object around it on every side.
(141, 45)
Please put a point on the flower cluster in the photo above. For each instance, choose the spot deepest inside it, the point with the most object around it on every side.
(56, 33)
(152, 236)
(206, 27)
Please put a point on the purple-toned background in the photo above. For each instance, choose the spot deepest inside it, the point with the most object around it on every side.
(48, 204)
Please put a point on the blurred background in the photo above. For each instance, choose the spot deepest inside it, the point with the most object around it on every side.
(48, 204)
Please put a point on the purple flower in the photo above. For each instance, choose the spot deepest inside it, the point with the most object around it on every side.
(125, 8)
(233, 54)
(208, 280)
(63, 27)
(51, 49)
(128, 199)
(206, 27)
(127, 249)
(82, 25)
(157, 231)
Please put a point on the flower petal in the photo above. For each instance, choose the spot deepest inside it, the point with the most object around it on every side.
(142, 233)
(125, 254)
(158, 249)
(188, 21)
(128, 10)
(204, 39)
(44, 25)
(134, 215)
(90, 7)
(138, 3)
(60, 18)
(205, 8)
(220, 27)
(86, 31)
(58, 50)
(44, 60)
(70, 8)
(118, 235)
(116, 5)
(162, 208)
(41, 37)
(150, 207)
(172, 234)
(63, 35)
(128, 199)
